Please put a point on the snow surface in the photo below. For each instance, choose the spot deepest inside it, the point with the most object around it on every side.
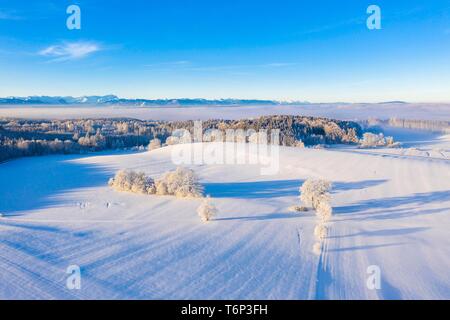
(391, 211)
(342, 111)
(415, 143)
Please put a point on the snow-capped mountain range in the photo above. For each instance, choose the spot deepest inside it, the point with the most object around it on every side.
(112, 99)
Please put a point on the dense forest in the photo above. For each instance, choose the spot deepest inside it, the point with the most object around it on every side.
(20, 137)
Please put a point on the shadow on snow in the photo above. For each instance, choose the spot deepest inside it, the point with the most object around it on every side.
(41, 181)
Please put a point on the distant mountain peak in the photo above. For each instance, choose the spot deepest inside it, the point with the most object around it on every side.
(115, 100)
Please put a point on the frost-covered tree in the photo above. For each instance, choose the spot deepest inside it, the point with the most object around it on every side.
(313, 192)
(161, 188)
(154, 144)
(316, 193)
(324, 211)
(181, 183)
(320, 231)
(179, 136)
(95, 141)
(372, 140)
(317, 248)
(206, 210)
(170, 141)
(390, 143)
(131, 181)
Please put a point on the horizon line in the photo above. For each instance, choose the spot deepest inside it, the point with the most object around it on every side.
(292, 101)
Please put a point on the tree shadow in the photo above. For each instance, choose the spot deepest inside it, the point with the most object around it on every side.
(41, 181)
(254, 190)
(365, 247)
(384, 207)
(269, 216)
(31, 227)
(345, 186)
(388, 291)
(275, 188)
(383, 233)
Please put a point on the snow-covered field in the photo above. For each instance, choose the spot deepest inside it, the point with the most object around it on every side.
(390, 210)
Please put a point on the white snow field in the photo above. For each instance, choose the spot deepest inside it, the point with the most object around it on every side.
(390, 211)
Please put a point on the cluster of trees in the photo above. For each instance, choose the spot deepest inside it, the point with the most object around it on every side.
(293, 129)
(19, 147)
(14, 148)
(373, 140)
(131, 181)
(182, 183)
(20, 137)
(316, 194)
(82, 126)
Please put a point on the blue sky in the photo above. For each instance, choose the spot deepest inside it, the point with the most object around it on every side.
(320, 51)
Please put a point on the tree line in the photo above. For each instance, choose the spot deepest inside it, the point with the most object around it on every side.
(25, 137)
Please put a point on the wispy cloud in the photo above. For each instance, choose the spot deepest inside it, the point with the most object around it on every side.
(70, 51)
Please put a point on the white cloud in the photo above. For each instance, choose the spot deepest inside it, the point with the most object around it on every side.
(70, 50)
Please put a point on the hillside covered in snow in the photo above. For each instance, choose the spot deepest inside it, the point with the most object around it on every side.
(390, 210)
